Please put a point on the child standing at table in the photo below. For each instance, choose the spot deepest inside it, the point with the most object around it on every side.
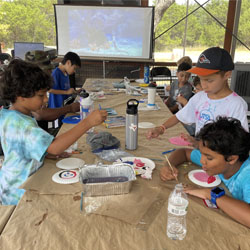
(61, 87)
(24, 143)
(223, 150)
(214, 67)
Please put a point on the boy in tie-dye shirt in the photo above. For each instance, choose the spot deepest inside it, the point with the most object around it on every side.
(24, 143)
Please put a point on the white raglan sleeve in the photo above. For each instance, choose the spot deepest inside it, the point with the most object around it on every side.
(187, 114)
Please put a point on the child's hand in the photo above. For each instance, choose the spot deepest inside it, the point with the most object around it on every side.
(203, 193)
(168, 88)
(191, 140)
(74, 107)
(62, 155)
(70, 91)
(96, 117)
(154, 132)
(182, 100)
(166, 173)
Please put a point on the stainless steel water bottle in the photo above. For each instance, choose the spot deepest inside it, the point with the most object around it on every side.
(132, 124)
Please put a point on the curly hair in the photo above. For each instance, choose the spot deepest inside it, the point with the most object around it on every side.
(23, 79)
(227, 137)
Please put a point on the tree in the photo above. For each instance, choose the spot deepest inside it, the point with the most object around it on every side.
(160, 7)
(27, 21)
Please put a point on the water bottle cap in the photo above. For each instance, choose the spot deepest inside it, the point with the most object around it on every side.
(152, 85)
(132, 106)
(84, 94)
(86, 101)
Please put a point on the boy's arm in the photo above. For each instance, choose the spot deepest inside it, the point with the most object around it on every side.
(155, 132)
(51, 114)
(176, 158)
(64, 140)
(238, 210)
(62, 92)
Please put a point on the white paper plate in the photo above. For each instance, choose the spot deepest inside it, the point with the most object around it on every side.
(70, 163)
(192, 175)
(140, 80)
(146, 125)
(66, 177)
(133, 162)
(144, 106)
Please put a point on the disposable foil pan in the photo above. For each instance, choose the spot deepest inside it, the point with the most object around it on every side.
(104, 180)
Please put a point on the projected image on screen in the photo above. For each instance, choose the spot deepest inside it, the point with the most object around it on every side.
(123, 32)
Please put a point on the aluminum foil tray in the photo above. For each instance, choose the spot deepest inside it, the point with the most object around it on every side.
(104, 180)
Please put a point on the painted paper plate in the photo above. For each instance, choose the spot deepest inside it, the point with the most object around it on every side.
(178, 140)
(146, 125)
(201, 178)
(74, 119)
(66, 177)
(70, 163)
(139, 164)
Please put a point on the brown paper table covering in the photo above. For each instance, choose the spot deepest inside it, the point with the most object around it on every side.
(48, 216)
(5, 214)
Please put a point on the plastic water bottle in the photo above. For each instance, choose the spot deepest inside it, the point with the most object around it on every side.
(86, 106)
(146, 74)
(132, 124)
(177, 210)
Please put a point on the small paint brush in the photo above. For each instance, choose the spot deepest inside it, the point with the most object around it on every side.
(171, 168)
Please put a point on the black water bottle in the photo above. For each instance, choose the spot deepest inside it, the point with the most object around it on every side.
(132, 124)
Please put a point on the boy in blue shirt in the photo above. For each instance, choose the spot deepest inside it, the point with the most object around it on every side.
(24, 143)
(61, 88)
(223, 150)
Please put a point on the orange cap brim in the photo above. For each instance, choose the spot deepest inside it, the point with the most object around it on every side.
(202, 72)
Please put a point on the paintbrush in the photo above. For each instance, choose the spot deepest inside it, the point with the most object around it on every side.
(171, 168)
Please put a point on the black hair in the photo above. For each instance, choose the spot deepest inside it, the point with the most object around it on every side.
(23, 79)
(73, 58)
(184, 67)
(227, 137)
(196, 81)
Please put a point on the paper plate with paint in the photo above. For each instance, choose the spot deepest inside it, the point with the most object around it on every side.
(74, 119)
(66, 177)
(146, 125)
(70, 163)
(178, 140)
(139, 164)
(201, 178)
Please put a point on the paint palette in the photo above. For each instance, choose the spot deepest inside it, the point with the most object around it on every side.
(66, 177)
(201, 178)
(140, 164)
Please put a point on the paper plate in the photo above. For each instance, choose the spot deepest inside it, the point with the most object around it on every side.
(200, 177)
(66, 177)
(70, 163)
(141, 80)
(146, 125)
(139, 164)
(145, 107)
(178, 140)
(74, 119)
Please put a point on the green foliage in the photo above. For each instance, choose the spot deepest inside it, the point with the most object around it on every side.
(203, 30)
(27, 21)
(33, 21)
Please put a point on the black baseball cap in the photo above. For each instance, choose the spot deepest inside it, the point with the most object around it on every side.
(213, 60)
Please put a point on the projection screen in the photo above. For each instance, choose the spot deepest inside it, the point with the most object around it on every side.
(104, 31)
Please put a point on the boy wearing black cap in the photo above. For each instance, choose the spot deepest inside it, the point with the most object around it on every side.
(214, 67)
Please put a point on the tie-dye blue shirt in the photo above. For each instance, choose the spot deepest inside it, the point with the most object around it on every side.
(239, 184)
(24, 145)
